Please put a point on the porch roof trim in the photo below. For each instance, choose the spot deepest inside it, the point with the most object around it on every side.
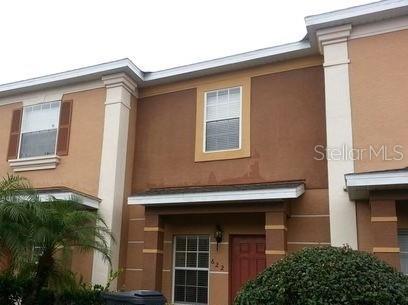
(278, 192)
(68, 194)
(359, 185)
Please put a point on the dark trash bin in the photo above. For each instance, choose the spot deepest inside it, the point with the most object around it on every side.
(139, 297)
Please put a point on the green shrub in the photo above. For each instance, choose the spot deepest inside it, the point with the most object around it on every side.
(12, 289)
(327, 276)
(85, 295)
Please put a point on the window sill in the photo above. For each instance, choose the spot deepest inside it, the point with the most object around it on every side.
(34, 163)
(222, 155)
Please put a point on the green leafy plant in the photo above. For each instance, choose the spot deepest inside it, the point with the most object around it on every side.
(327, 276)
(38, 237)
(11, 288)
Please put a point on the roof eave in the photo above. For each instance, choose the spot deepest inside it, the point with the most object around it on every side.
(230, 63)
(357, 15)
(359, 185)
(143, 79)
(75, 76)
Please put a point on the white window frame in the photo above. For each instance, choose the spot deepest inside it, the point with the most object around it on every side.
(21, 128)
(205, 120)
(173, 286)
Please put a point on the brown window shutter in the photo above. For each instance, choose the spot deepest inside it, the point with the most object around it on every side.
(64, 128)
(14, 134)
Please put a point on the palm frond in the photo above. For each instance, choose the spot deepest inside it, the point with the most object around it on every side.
(56, 226)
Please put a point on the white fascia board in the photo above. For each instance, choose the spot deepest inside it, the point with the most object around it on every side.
(230, 63)
(355, 15)
(238, 60)
(71, 76)
(89, 202)
(223, 196)
(394, 7)
(386, 178)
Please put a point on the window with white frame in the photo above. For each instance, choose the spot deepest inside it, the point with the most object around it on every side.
(403, 244)
(223, 119)
(191, 261)
(39, 130)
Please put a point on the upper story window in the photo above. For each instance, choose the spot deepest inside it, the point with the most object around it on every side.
(223, 119)
(39, 130)
(39, 135)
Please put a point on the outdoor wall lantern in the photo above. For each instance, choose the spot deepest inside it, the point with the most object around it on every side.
(218, 235)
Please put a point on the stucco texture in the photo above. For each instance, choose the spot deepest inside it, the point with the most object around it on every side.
(79, 170)
(379, 95)
(287, 121)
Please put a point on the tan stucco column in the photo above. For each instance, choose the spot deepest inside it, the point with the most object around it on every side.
(153, 251)
(119, 91)
(333, 45)
(275, 231)
(384, 224)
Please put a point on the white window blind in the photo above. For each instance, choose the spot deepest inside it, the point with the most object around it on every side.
(39, 130)
(191, 267)
(403, 244)
(222, 119)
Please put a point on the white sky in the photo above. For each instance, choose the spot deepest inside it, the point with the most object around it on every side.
(47, 36)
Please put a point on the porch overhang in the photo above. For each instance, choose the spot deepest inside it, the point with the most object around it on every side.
(275, 192)
(359, 185)
(69, 194)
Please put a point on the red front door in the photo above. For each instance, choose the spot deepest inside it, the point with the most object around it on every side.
(247, 259)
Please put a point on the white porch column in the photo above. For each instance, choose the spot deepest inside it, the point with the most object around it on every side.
(333, 46)
(119, 90)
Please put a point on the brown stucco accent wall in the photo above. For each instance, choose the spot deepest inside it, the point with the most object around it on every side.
(310, 211)
(378, 85)
(79, 170)
(287, 121)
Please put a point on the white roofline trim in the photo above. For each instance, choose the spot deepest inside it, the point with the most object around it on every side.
(229, 60)
(67, 195)
(277, 193)
(359, 185)
(100, 69)
(386, 178)
(296, 49)
(354, 11)
(362, 14)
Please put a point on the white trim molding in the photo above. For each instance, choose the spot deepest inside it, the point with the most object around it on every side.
(333, 45)
(363, 13)
(333, 36)
(34, 163)
(120, 80)
(356, 16)
(275, 193)
(49, 94)
(64, 194)
(119, 89)
(380, 27)
(359, 185)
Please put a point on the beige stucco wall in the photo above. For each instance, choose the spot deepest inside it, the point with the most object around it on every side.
(78, 170)
(379, 96)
